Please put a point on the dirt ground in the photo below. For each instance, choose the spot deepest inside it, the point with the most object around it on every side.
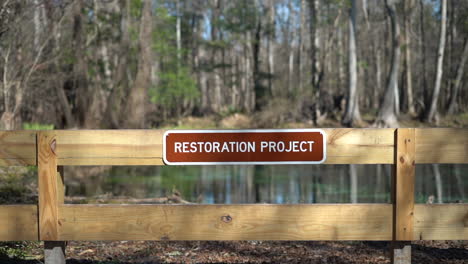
(120, 252)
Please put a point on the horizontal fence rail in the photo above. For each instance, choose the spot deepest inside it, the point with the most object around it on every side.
(235, 222)
(51, 219)
(144, 147)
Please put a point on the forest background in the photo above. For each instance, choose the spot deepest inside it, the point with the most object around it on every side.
(148, 64)
(100, 64)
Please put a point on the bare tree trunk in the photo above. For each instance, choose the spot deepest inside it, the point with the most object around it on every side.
(291, 36)
(178, 34)
(250, 96)
(114, 106)
(291, 71)
(302, 44)
(460, 185)
(387, 113)
(352, 115)
(378, 76)
(135, 108)
(438, 180)
(365, 13)
(271, 46)
(38, 24)
(422, 44)
(354, 183)
(7, 119)
(234, 80)
(409, 5)
(216, 92)
(431, 115)
(261, 94)
(315, 43)
(452, 107)
(80, 67)
(58, 83)
(340, 61)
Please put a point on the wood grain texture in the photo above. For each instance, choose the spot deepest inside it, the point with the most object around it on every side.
(144, 147)
(226, 222)
(109, 147)
(360, 146)
(441, 222)
(403, 184)
(17, 148)
(441, 145)
(432, 222)
(18, 222)
(48, 187)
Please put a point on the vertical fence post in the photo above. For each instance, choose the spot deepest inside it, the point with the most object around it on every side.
(50, 197)
(403, 195)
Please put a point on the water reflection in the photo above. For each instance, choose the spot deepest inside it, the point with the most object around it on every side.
(272, 184)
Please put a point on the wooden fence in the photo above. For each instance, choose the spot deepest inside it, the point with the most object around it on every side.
(52, 220)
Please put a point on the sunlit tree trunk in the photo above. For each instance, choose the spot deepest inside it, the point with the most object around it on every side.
(431, 114)
(409, 5)
(38, 22)
(387, 113)
(378, 76)
(352, 115)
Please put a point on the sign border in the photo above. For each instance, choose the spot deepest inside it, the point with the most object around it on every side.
(321, 131)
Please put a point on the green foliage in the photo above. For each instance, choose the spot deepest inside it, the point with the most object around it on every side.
(135, 8)
(13, 250)
(240, 18)
(175, 81)
(37, 126)
(17, 184)
(173, 87)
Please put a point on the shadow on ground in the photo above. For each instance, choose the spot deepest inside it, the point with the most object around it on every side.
(151, 252)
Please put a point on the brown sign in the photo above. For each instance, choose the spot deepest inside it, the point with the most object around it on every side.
(273, 146)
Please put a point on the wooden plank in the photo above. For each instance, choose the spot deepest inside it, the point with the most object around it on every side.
(109, 147)
(144, 147)
(441, 145)
(17, 148)
(441, 222)
(226, 222)
(360, 146)
(403, 184)
(48, 189)
(432, 221)
(18, 222)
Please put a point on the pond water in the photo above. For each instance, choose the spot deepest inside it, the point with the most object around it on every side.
(272, 184)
